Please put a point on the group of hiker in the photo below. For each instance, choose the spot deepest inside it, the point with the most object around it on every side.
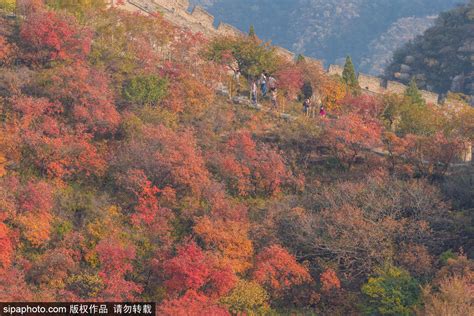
(268, 84)
(310, 106)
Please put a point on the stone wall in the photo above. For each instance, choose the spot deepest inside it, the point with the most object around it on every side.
(284, 53)
(199, 20)
(228, 30)
(396, 87)
(466, 155)
(144, 6)
(375, 85)
(430, 97)
(371, 84)
(172, 5)
(203, 17)
(335, 70)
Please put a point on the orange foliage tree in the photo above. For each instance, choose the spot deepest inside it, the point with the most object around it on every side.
(329, 280)
(230, 238)
(34, 212)
(6, 51)
(278, 271)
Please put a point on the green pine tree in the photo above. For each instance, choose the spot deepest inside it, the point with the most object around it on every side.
(413, 93)
(349, 76)
(392, 291)
(300, 58)
(252, 31)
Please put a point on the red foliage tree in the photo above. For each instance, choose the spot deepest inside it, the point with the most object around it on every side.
(13, 287)
(192, 303)
(85, 95)
(290, 80)
(192, 269)
(278, 270)
(115, 260)
(55, 37)
(432, 155)
(169, 159)
(367, 106)
(148, 212)
(248, 169)
(6, 246)
(27, 7)
(350, 135)
(224, 207)
(51, 145)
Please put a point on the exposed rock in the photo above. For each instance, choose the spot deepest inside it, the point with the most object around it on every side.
(457, 83)
(405, 68)
(221, 89)
(402, 76)
(409, 60)
(444, 54)
(242, 100)
(468, 47)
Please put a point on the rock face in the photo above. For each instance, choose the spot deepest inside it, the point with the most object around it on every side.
(442, 59)
(381, 49)
(368, 30)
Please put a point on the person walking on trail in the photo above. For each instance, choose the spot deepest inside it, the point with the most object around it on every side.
(274, 99)
(317, 103)
(322, 112)
(237, 80)
(263, 84)
(272, 83)
(306, 107)
(253, 92)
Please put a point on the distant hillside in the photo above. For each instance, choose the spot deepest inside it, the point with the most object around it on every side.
(443, 58)
(331, 29)
(380, 50)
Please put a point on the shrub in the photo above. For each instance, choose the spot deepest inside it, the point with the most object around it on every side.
(392, 292)
(145, 90)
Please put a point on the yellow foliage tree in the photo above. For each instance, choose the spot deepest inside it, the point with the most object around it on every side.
(247, 298)
(8, 5)
(333, 91)
(3, 161)
(77, 7)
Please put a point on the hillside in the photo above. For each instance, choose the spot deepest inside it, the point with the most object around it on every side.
(330, 30)
(134, 167)
(382, 48)
(442, 58)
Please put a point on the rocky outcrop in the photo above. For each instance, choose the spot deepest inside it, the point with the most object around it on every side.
(442, 59)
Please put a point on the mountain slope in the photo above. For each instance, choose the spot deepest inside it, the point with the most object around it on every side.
(443, 58)
(325, 29)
